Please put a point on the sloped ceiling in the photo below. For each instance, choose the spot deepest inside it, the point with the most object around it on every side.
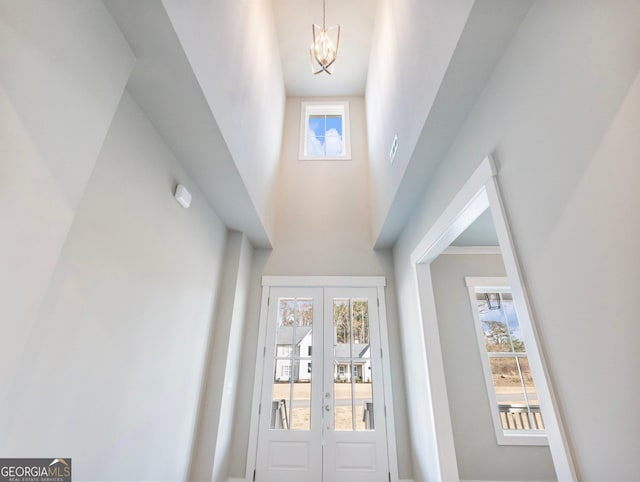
(441, 53)
(165, 87)
(482, 232)
(232, 49)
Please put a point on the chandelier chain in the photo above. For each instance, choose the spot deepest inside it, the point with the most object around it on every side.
(324, 15)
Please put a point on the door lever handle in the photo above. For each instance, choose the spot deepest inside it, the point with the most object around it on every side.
(327, 407)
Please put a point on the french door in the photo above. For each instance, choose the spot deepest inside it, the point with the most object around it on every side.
(322, 416)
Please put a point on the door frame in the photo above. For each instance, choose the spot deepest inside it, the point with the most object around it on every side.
(479, 193)
(268, 282)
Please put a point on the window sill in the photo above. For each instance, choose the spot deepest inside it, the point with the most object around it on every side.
(310, 158)
(512, 437)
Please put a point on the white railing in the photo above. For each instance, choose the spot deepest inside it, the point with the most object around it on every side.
(520, 417)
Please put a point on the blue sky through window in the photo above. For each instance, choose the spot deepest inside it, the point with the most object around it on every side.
(324, 135)
(334, 125)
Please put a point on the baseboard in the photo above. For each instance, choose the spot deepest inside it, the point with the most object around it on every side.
(466, 480)
(235, 479)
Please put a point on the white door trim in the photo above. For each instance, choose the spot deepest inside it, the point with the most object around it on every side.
(268, 282)
(324, 281)
(257, 385)
(479, 193)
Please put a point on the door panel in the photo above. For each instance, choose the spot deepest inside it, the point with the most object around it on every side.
(322, 405)
(355, 446)
(289, 438)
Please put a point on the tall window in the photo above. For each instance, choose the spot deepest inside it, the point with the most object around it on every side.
(324, 133)
(512, 393)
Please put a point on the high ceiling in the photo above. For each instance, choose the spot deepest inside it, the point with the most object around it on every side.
(293, 20)
(212, 75)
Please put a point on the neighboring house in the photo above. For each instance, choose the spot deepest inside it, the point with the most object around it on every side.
(293, 343)
(361, 362)
(293, 348)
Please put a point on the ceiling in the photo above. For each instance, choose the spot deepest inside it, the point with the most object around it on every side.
(482, 232)
(293, 19)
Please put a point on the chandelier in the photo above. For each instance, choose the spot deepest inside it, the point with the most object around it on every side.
(324, 49)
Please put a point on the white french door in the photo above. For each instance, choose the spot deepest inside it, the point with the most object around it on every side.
(322, 416)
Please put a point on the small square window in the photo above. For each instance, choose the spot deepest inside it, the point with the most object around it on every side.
(324, 131)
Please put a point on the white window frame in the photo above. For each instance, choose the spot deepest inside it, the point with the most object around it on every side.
(329, 108)
(503, 436)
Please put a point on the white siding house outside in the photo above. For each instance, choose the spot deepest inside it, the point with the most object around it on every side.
(288, 363)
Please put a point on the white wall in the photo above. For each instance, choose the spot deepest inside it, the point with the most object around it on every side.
(211, 452)
(63, 67)
(323, 218)
(242, 418)
(561, 112)
(323, 228)
(233, 50)
(478, 454)
(113, 366)
(413, 43)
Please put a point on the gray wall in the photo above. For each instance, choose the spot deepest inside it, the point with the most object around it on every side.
(112, 368)
(561, 112)
(212, 440)
(56, 104)
(478, 454)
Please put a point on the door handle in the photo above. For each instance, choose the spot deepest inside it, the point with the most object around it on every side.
(327, 407)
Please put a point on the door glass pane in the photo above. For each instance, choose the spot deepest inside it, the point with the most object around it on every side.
(360, 323)
(342, 393)
(301, 402)
(291, 393)
(363, 390)
(342, 327)
(281, 395)
(352, 365)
